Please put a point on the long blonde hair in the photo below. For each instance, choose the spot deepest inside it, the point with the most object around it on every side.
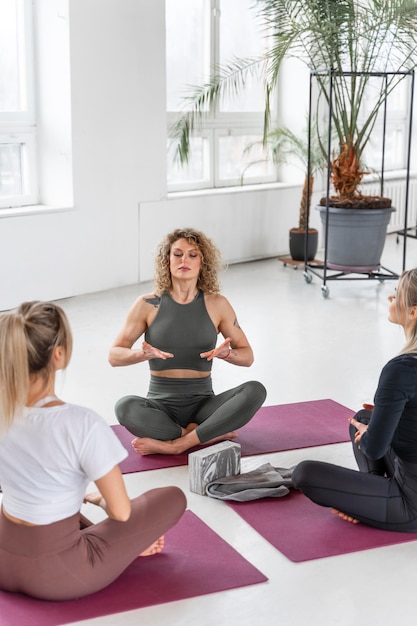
(406, 299)
(211, 261)
(28, 338)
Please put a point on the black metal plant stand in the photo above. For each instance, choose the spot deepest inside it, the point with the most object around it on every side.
(322, 270)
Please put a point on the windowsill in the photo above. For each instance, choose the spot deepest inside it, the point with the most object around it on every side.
(261, 187)
(38, 209)
(215, 191)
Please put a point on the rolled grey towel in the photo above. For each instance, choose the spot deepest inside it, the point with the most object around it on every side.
(265, 481)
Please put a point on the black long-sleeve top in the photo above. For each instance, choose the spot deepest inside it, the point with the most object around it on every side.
(394, 418)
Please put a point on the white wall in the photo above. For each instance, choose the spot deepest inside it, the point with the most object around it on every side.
(246, 225)
(103, 163)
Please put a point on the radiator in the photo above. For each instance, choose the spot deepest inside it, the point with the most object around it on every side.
(395, 188)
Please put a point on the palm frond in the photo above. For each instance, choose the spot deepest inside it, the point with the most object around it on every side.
(226, 81)
(345, 40)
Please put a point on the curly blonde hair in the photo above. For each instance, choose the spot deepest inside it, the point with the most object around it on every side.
(211, 261)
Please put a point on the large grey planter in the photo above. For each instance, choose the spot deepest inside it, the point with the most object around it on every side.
(356, 237)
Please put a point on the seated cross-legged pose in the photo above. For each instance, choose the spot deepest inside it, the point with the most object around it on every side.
(383, 493)
(49, 453)
(180, 322)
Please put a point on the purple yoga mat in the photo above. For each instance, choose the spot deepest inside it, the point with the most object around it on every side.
(272, 429)
(194, 562)
(303, 531)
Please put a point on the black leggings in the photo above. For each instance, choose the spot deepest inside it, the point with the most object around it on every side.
(382, 494)
(172, 404)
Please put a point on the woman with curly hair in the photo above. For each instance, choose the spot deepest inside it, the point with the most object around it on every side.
(180, 322)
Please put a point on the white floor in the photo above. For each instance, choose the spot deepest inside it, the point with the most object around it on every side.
(307, 347)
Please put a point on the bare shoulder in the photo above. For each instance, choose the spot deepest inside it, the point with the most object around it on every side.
(218, 307)
(216, 300)
(151, 299)
(139, 317)
(143, 310)
(144, 302)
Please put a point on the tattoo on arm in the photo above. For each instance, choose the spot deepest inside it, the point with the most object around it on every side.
(155, 301)
(236, 323)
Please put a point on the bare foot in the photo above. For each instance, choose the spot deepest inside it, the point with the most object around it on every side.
(188, 429)
(155, 548)
(146, 445)
(347, 518)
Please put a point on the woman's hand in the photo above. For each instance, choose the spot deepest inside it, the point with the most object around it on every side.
(95, 498)
(221, 352)
(150, 352)
(111, 496)
(360, 429)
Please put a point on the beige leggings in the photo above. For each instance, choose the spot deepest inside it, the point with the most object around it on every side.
(60, 562)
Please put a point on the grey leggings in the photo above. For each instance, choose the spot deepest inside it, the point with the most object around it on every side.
(60, 562)
(382, 494)
(172, 404)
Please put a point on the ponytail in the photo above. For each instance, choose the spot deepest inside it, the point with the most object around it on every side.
(28, 338)
(14, 370)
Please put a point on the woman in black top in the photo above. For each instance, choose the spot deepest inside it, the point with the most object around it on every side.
(180, 322)
(383, 493)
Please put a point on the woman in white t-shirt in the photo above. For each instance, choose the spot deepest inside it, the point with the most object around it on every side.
(49, 452)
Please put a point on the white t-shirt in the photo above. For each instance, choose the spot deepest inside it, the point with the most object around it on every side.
(49, 456)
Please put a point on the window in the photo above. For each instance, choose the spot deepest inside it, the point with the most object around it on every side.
(201, 35)
(18, 176)
(396, 125)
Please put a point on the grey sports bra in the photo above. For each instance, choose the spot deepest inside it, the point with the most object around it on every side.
(186, 330)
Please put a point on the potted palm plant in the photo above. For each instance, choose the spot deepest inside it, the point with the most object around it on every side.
(352, 40)
(283, 146)
(355, 223)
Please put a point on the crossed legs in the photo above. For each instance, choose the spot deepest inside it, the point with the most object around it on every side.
(214, 418)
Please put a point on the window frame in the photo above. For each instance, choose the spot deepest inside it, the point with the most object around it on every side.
(217, 124)
(20, 127)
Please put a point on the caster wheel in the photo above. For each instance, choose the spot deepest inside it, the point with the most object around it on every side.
(325, 291)
(307, 277)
